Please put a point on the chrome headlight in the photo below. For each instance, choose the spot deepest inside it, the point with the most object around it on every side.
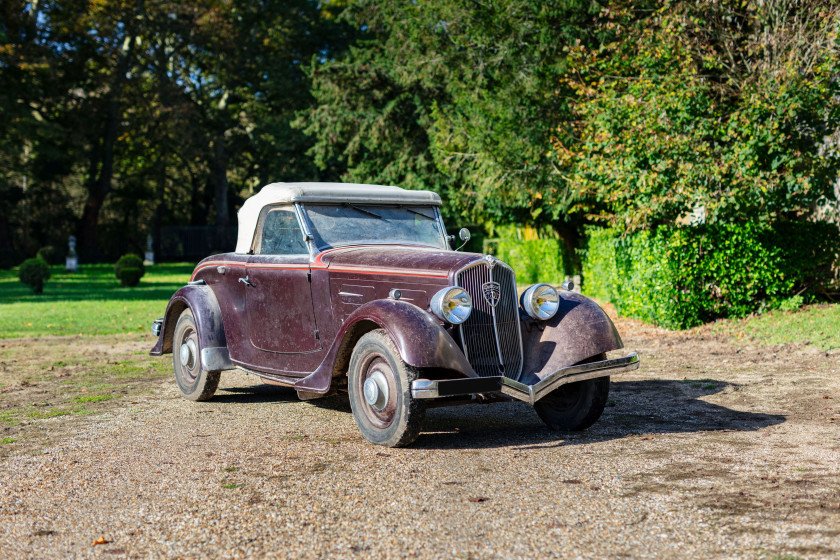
(452, 304)
(540, 302)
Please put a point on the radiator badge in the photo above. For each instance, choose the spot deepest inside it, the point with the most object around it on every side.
(491, 291)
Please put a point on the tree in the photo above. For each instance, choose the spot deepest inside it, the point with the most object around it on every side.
(460, 97)
(705, 105)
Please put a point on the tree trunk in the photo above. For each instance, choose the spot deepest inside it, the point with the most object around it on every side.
(101, 171)
(220, 180)
(220, 191)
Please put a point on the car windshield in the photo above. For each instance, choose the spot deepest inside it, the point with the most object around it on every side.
(334, 225)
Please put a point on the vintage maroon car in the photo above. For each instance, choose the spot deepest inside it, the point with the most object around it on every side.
(355, 288)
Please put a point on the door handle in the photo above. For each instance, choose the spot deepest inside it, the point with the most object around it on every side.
(246, 282)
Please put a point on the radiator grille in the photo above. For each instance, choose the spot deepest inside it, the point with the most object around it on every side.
(490, 336)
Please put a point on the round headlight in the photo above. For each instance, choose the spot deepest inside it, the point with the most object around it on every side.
(540, 301)
(452, 304)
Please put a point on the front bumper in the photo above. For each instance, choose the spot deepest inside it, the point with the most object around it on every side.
(436, 388)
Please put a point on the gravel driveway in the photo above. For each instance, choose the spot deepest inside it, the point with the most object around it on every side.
(709, 450)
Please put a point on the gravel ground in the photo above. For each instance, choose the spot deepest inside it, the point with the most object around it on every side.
(711, 449)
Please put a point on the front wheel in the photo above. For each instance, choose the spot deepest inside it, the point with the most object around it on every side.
(575, 406)
(380, 392)
(195, 383)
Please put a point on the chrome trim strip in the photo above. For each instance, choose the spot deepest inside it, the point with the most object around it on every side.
(496, 323)
(429, 389)
(464, 348)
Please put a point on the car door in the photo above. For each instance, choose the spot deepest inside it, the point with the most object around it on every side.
(278, 301)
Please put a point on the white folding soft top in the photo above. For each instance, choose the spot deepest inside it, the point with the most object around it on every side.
(279, 193)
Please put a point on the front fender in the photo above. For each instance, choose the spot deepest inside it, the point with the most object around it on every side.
(421, 341)
(201, 300)
(579, 330)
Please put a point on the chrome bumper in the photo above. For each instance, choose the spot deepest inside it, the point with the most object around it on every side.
(436, 388)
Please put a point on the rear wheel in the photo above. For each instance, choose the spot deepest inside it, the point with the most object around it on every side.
(380, 392)
(575, 406)
(195, 383)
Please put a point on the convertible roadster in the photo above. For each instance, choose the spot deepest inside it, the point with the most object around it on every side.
(357, 289)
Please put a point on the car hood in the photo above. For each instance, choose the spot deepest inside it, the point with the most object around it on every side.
(396, 259)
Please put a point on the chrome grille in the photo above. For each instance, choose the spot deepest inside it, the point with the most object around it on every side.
(490, 336)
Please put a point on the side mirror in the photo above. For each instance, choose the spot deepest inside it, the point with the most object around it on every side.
(464, 234)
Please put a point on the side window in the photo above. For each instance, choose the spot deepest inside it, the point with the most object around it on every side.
(281, 234)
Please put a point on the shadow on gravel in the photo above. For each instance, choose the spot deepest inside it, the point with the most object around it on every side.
(635, 407)
(256, 394)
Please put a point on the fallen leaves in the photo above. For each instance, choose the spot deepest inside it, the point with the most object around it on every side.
(478, 499)
(826, 396)
(101, 540)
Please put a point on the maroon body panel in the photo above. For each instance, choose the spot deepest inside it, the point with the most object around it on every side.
(278, 306)
(269, 323)
(420, 339)
(579, 330)
(205, 308)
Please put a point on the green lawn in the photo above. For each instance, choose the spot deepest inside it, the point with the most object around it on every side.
(815, 325)
(88, 302)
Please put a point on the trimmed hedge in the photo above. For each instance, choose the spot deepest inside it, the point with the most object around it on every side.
(129, 269)
(34, 272)
(533, 260)
(680, 277)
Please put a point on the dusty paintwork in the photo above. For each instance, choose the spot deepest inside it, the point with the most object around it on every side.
(295, 319)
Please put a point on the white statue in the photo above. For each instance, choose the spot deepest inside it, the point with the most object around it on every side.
(72, 262)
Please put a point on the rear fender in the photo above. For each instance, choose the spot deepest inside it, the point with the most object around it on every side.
(579, 330)
(201, 300)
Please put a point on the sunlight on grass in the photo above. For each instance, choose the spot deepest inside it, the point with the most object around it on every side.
(91, 301)
(815, 325)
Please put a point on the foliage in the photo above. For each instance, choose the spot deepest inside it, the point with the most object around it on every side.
(130, 276)
(87, 302)
(705, 105)
(458, 96)
(33, 273)
(129, 269)
(680, 277)
(533, 260)
(48, 254)
(125, 117)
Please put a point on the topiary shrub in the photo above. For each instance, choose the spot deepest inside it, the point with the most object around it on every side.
(130, 269)
(680, 277)
(33, 273)
(48, 254)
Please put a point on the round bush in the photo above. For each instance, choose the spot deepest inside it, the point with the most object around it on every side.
(130, 269)
(33, 273)
(130, 276)
(48, 254)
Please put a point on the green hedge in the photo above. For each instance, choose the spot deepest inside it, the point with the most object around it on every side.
(679, 277)
(534, 260)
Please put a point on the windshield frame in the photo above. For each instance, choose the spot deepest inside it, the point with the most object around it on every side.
(303, 217)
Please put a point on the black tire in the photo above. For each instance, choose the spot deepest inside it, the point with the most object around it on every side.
(396, 418)
(195, 383)
(575, 406)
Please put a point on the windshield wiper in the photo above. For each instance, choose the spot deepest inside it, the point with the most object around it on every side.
(418, 213)
(362, 210)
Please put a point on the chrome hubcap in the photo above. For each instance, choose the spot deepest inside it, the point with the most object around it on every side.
(188, 353)
(376, 390)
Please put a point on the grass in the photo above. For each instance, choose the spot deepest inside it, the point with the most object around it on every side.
(814, 325)
(88, 302)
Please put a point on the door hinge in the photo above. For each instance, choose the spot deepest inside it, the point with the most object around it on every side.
(317, 335)
(309, 277)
